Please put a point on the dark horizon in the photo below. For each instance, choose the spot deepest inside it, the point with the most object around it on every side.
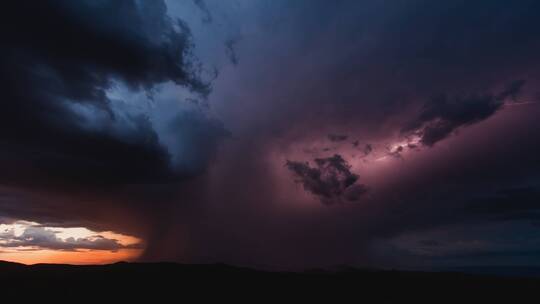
(172, 281)
(398, 134)
(482, 272)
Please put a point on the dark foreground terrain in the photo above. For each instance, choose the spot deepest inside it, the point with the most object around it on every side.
(133, 280)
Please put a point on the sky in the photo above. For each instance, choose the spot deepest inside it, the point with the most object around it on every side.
(271, 134)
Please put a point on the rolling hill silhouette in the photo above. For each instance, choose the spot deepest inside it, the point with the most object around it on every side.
(209, 280)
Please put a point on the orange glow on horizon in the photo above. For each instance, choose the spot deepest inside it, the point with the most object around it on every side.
(17, 245)
(80, 257)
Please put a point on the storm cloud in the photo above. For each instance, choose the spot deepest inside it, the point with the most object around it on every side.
(59, 62)
(443, 115)
(370, 133)
(331, 179)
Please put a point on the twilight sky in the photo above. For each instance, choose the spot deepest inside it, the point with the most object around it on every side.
(271, 133)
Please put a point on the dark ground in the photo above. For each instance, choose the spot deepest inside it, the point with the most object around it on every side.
(127, 280)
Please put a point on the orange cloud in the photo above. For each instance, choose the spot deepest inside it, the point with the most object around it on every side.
(30, 243)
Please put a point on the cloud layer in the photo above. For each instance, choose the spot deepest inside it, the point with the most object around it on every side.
(36, 237)
(135, 116)
(331, 179)
(59, 61)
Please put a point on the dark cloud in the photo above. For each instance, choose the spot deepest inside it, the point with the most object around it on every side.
(331, 179)
(443, 115)
(90, 136)
(58, 60)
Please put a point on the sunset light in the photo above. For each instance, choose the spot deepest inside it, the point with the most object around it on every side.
(30, 243)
